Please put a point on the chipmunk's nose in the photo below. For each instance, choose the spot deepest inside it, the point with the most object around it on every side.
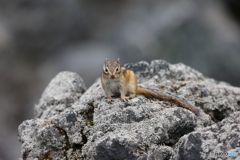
(112, 76)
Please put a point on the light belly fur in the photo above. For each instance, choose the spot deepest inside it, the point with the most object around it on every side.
(114, 87)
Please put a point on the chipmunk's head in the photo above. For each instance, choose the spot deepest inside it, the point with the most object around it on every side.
(112, 69)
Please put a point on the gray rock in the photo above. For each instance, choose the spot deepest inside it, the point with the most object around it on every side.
(61, 92)
(70, 124)
(212, 142)
(55, 137)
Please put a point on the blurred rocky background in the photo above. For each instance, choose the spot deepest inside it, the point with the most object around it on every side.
(39, 38)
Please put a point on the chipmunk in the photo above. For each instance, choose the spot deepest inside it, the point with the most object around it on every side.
(117, 80)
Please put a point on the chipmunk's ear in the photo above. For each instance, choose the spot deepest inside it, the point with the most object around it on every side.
(106, 60)
(118, 60)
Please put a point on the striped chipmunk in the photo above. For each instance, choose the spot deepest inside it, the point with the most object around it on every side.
(120, 81)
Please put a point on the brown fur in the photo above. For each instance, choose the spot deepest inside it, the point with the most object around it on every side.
(164, 96)
(121, 81)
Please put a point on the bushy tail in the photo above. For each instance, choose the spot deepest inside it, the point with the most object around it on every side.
(160, 94)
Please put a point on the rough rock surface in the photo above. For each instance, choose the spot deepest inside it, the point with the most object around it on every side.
(70, 124)
(212, 142)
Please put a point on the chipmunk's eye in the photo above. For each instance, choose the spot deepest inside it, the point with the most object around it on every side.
(117, 69)
(106, 69)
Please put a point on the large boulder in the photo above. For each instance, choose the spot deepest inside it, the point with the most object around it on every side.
(72, 123)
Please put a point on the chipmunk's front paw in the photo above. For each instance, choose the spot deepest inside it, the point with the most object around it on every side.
(132, 95)
(123, 98)
(109, 100)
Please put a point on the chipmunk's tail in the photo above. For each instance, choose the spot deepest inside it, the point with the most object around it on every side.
(160, 94)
